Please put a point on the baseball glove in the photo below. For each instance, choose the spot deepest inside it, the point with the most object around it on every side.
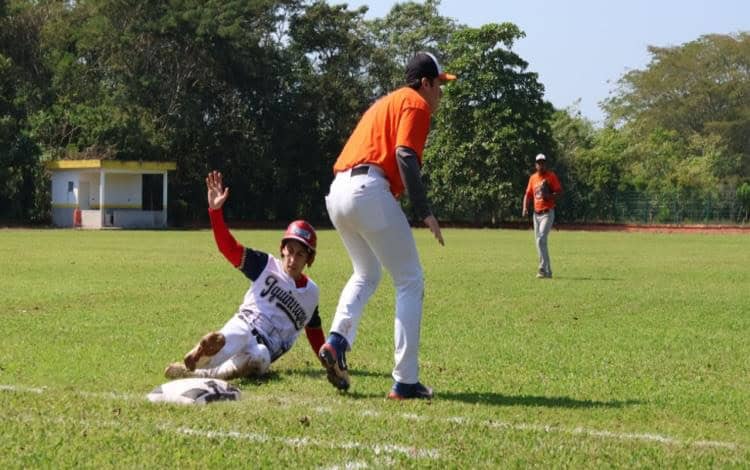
(545, 190)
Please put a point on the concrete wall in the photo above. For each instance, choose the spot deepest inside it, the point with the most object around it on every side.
(61, 197)
(123, 191)
(91, 219)
(73, 189)
(138, 219)
(124, 218)
(62, 216)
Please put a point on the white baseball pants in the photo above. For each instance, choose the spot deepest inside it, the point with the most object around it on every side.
(375, 232)
(241, 355)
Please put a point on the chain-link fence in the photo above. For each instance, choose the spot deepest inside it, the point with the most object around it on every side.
(636, 207)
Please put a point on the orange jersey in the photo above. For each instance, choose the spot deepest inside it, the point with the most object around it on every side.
(534, 189)
(400, 119)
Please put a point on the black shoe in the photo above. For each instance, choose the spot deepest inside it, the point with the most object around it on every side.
(335, 364)
(402, 391)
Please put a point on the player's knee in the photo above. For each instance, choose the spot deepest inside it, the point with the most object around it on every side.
(254, 364)
(413, 282)
(374, 274)
(369, 280)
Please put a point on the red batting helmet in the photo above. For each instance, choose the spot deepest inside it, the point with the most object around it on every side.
(304, 233)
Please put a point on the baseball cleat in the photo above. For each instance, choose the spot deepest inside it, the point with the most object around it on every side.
(177, 370)
(335, 364)
(402, 391)
(202, 352)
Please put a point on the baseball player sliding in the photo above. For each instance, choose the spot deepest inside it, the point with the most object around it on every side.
(382, 157)
(281, 301)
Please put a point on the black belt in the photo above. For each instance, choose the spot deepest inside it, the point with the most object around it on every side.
(275, 354)
(542, 211)
(360, 170)
(261, 339)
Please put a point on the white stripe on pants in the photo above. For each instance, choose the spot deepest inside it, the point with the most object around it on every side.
(375, 232)
(542, 226)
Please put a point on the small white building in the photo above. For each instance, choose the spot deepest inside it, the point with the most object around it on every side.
(109, 193)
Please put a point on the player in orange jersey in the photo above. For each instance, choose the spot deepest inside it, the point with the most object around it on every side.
(544, 189)
(381, 159)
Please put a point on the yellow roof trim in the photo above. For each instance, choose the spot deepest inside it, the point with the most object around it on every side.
(110, 165)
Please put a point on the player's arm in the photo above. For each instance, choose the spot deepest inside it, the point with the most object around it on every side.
(408, 166)
(314, 332)
(250, 262)
(414, 124)
(526, 199)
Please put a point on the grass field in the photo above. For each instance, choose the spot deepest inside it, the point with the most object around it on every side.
(637, 354)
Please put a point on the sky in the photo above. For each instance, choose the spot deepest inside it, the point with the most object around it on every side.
(580, 48)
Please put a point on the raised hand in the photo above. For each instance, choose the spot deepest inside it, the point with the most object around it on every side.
(217, 193)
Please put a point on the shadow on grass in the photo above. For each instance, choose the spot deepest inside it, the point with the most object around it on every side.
(497, 399)
(271, 376)
(484, 398)
(276, 376)
(320, 372)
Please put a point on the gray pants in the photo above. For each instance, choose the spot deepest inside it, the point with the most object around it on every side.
(542, 226)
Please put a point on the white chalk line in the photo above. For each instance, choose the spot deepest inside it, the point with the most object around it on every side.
(377, 449)
(456, 420)
(256, 437)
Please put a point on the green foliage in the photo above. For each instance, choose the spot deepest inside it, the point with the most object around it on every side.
(267, 91)
(329, 56)
(572, 135)
(699, 91)
(21, 175)
(409, 27)
(674, 136)
(743, 196)
(491, 123)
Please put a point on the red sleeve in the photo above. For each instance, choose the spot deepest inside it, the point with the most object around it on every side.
(315, 337)
(228, 246)
(314, 332)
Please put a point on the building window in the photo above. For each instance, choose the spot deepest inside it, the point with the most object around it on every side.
(153, 192)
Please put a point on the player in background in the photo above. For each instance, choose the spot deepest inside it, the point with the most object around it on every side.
(544, 189)
(281, 301)
(381, 159)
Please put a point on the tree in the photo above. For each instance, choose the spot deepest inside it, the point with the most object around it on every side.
(331, 59)
(573, 137)
(491, 123)
(22, 192)
(203, 83)
(743, 196)
(408, 28)
(697, 90)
